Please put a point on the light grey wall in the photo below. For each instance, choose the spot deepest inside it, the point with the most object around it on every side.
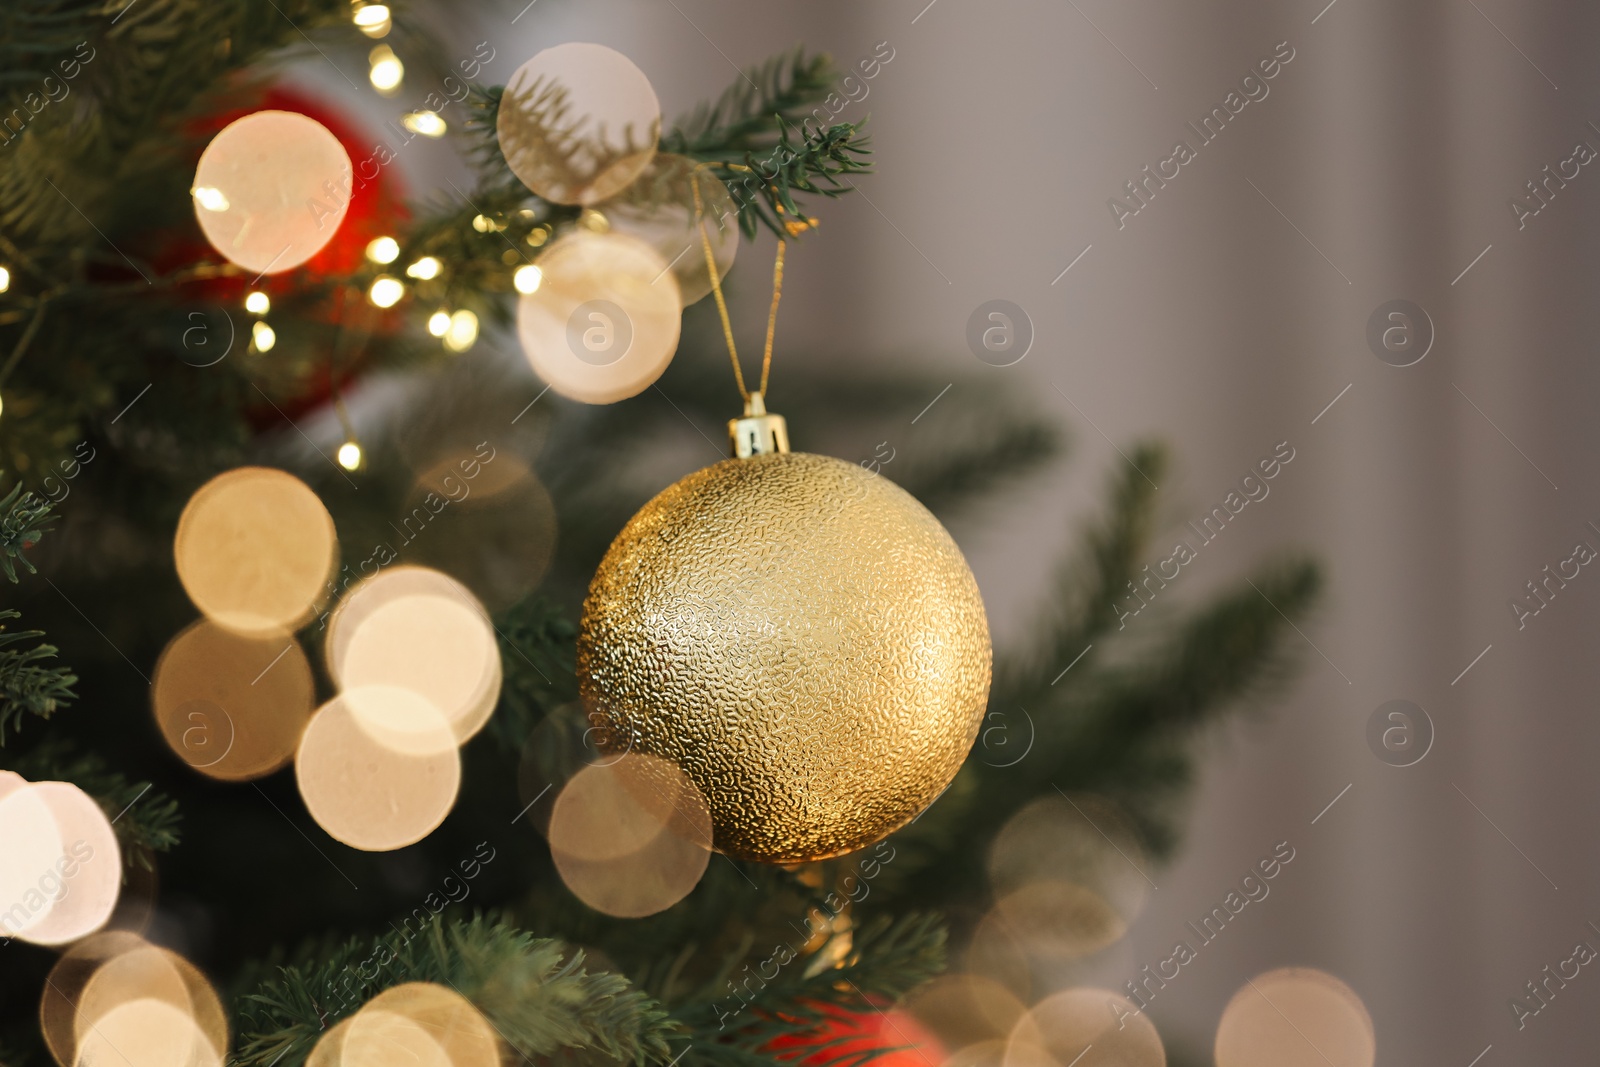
(1223, 318)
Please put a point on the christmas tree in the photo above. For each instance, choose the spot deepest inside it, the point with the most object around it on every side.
(136, 364)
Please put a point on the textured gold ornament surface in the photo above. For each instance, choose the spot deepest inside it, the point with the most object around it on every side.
(801, 637)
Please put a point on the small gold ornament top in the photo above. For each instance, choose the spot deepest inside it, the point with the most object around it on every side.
(759, 433)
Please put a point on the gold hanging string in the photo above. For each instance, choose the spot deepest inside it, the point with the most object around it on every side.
(722, 304)
(772, 316)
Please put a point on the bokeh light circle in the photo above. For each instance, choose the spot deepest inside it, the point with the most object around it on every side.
(142, 974)
(420, 1023)
(31, 842)
(378, 768)
(965, 1010)
(630, 837)
(85, 877)
(254, 550)
(146, 1032)
(1068, 875)
(232, 706)
(419, 629)
(1085, 1028)
(604, 324)
(578, 122)
(63, 988)
(271, 190)
(1295, 1017)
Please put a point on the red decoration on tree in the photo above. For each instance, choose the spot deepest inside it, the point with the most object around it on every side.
(845, 1037)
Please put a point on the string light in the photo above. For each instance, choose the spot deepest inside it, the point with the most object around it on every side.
(373, 20)
(427, 123)
(386, 291)
(484, 224)
(350, 455)
(383, 250)
(387, 71)
(463, 331)
(263, 337)
(5, 279)
(257, 303)
(538, 236)
(211, 199)
(527, 278)
(439, 322)
(424, 268)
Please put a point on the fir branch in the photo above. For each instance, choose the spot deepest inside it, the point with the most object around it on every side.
(536, 993)
(537, 651)
(1118, 725)
(890, 957)
(145, 821)
(814, 163)
(23, 518)
(27, 687)
(752, 112)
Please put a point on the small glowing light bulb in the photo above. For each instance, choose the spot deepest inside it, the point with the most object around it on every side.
(463, 331)
(373, 20)
(349, 455)
(387, 70)
(424, 268)
(263, 337)
(386, 291)
(209, 198)
(439, 322)
(527, 278)
(5, 279)
(427, 123)
(257, 303)
(484, 224)
(383, 250)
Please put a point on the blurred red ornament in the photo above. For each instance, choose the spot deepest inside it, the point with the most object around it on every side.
(377, 209)
(844, 1036)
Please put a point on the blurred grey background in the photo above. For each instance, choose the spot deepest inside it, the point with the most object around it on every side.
(1224, 318)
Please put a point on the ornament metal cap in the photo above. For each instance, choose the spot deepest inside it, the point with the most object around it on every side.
(758, 433)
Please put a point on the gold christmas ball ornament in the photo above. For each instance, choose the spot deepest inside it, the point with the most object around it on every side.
(801, 637)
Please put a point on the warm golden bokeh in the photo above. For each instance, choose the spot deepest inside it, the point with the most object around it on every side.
(604, 323)
(1085, 1028)
(254, 550)
(63, 988)
(421, 630)
(271, 190)
(146, 1032)
(630, 837)
(420, 1023)
(232, 706)
(1295, 1017)
(965, 1010)
(115, 995)
(378, 768)
(997, 953)
(329, 1049)
(1068, 875)
(659, 208)
(578, 122)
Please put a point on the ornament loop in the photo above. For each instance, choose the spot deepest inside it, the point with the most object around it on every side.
(759, 433)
